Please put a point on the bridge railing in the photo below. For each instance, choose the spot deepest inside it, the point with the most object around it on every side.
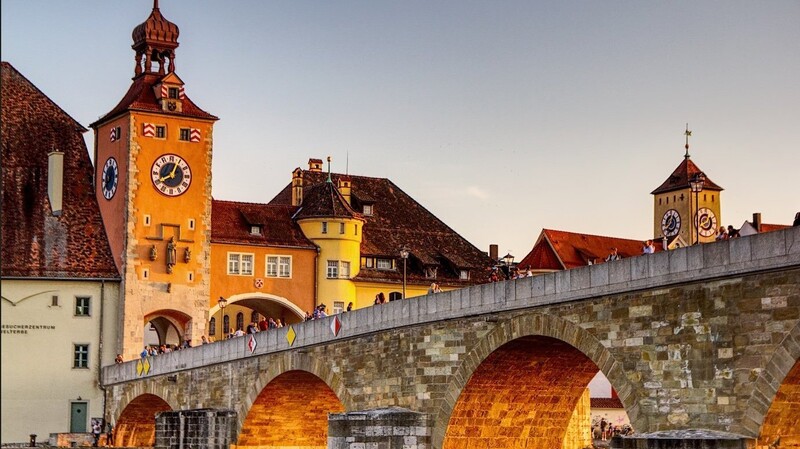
(777, 250)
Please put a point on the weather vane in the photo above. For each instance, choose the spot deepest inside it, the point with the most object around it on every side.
(687, 134)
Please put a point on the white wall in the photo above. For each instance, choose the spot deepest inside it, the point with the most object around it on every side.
(38, 379)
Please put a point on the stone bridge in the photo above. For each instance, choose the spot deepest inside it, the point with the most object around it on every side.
(700, 338)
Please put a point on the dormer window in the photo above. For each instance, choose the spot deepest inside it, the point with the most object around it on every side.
(430, 272)
(384, 264)
(255, 230)
(368, 209)
(463, 274)
(173, 92)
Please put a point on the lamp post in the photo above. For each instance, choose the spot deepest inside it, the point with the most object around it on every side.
(222, 304)
(404, 256)
(508, 261)
(696, 184)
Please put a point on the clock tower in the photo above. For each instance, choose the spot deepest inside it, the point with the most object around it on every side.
(687, 205)
(153, 184)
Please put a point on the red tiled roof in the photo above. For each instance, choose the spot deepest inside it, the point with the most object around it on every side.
(35, 243)
(679, 179)
(231, 222)
(572, 250)
(772, 227)
(606, 403)
(142, 97)
(325, 200)
(397, 220)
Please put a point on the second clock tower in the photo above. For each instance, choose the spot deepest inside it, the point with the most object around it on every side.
(687, 206)
(153, 182)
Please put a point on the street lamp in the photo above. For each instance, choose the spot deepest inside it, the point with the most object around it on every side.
(508, 260)
(404, 256)
(696, 184)
(222, 304)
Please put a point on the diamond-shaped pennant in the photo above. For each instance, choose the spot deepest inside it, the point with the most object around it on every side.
(291, 335)
(139, 367)
(251, 343)
(146, 365)
(336, 325)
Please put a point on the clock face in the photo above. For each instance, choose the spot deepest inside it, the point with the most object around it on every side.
(110, 178)
(671, 223)
(171, 175)
(706, 222)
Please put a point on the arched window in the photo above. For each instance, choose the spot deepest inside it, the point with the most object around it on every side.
(254, 317)
(394, 296)
(226, 324)
(240, 321)
(212, 326)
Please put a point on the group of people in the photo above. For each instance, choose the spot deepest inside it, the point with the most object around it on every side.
(605, 430)
(151, 350)
(729, 233)
(513, 273)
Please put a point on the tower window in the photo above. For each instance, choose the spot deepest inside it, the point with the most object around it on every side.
(324, 227)
(161, 131)
(659, 201)
(191, 224)
(226, 324)
(341, 228)
(173, 92)
(147, 220)
(185, 134)
(333, 269)
(356, 226)
(712, 198)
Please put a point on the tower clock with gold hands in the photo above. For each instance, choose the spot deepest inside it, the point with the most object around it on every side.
(171, 175)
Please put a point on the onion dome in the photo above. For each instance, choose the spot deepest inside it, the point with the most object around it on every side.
(156, 39)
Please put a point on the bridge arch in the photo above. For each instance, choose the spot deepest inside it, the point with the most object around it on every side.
(538, 328)
(776, 395)
(135, 414)
(286, 379)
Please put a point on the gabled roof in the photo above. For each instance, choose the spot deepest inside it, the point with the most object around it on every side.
(231, 222)
(142, 97)
(398, 220)
(562, 250)
(679, 179)
(324, 201)
(35, 243)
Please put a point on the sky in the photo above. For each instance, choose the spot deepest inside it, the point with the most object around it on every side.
(500, 117)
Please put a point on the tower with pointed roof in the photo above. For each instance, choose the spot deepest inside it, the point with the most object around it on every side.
(687, 206)
(153, 183)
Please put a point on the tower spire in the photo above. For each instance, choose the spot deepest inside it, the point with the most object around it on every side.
(687, 134)
(329, 170)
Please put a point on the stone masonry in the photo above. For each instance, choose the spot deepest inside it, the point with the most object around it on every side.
(696, 338)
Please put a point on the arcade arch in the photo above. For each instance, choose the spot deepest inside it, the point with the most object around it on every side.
(781, 423)
(248, 305)
(136, 424)
(166, 327)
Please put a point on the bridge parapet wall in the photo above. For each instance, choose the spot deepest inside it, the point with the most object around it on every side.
(735, 257)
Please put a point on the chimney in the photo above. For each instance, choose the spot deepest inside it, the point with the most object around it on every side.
(315, 165)
(297, 187)
(55, 180)
(493, 251)
(757, 221)
(344, 184)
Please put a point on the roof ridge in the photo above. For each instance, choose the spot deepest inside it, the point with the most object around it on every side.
(251, 203)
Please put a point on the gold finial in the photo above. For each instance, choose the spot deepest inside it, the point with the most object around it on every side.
(687, 134)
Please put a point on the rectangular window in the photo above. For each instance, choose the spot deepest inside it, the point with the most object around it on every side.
(272, 266)
(147, 220)
(344, 270)
(384, 264)
(191, 224)
(255, 230)
(240, 264)
(324, 227)
(82, 306)
(341, 228)
(173, 92)
(333, 269)
(185, 132)
(430, 272)
(338, 307)
(368, 209)
(80, 356)
(356, 229)
(55, 301)
(285, 267)
(370, 262)
(161, 131)
(464, 274)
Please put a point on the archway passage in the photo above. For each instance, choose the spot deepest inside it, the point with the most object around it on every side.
(530, 392)
(291, 411)
(782, 423)
(136, 425)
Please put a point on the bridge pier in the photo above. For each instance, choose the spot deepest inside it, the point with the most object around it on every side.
(683, 439)
(195, 429)
(384, 428)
